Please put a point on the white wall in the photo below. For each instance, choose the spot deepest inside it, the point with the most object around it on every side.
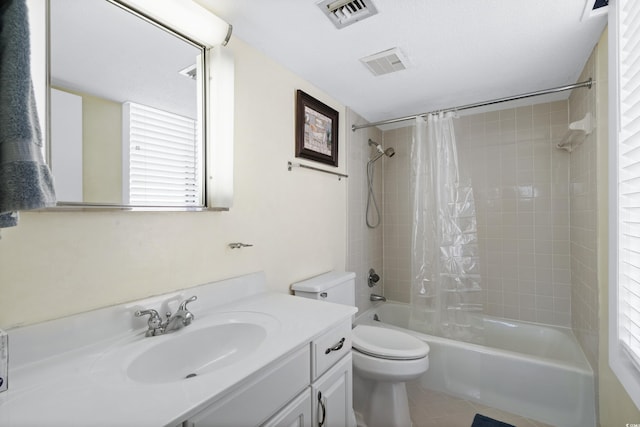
(58, 263)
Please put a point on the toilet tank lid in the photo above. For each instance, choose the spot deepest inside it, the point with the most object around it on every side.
(323, 281)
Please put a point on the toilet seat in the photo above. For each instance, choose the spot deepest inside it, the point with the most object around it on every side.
(387, 343)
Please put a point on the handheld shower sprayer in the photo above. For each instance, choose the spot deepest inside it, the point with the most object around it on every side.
(371, 200)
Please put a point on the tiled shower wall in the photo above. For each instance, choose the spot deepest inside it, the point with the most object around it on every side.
(364, 246)
(521, 190)
(397, 218)
(583, 197)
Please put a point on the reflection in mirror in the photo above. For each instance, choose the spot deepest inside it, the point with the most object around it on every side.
(125, 108)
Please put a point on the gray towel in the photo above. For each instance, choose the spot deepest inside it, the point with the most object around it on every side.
(25, 179)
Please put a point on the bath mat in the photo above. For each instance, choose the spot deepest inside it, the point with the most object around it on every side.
(482, 421)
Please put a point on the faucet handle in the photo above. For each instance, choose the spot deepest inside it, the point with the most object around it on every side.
(154, 320)
(183, 304)
(187, 316)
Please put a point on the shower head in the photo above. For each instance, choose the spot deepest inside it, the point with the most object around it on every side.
(389, 152)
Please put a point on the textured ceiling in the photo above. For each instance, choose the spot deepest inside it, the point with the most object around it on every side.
(459, 51)
(101, 50)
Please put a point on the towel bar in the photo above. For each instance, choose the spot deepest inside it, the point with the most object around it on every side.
(291, 165)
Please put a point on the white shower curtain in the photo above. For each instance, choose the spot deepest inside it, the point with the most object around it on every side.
(444, 266)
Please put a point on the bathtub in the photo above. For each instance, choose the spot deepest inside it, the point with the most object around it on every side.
(535, 371)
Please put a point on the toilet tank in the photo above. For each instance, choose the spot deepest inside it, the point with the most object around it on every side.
(334, 286)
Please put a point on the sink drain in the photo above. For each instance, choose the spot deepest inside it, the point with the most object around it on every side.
(190, 376)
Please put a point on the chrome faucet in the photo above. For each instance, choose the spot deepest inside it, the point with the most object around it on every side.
(181, 318)
(375, 297)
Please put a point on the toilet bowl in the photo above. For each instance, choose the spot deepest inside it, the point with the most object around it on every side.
(383, 360)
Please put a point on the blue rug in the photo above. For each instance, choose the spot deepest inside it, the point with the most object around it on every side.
(482, 421)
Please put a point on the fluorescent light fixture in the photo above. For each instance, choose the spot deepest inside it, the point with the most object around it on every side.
(220, 129)
(186, 17)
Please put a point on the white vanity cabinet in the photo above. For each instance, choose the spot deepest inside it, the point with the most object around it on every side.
(259, 358)
(311, 387)
(296, 414)
(255, 400)
(332, 393)
(332, 384)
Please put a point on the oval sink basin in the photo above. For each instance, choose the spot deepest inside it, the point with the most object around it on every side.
(207, 345)
(196, 353)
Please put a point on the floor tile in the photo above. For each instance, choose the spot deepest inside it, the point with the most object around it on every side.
(434, 409)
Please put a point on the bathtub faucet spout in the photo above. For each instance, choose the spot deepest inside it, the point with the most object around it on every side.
(375, 297)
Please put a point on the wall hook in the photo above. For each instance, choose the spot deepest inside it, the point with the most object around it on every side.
(238, 245)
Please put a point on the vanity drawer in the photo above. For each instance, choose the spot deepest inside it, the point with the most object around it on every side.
(329, 348)
(260, 397)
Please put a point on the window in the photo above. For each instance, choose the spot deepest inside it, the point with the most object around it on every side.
(624, 341)
(164, 161)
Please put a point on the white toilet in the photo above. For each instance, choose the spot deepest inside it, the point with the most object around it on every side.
(383, 359)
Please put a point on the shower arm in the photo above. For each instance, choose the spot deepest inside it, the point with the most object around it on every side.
(389, 152)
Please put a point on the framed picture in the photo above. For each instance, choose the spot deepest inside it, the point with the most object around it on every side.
(316, 130)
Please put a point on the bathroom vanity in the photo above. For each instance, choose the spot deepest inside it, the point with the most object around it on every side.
(249, 357)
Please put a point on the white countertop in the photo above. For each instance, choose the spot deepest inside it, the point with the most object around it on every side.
(63, 387)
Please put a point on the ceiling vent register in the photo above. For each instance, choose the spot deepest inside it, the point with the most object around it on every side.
(347, 12)
(385, 62)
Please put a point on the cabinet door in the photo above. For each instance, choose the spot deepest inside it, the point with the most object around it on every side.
(333, 396)
(295, 414)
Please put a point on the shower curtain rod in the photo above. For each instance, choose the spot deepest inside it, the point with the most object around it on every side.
(586, 83)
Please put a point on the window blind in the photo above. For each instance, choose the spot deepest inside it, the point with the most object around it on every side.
(164, 160)
(629, 179)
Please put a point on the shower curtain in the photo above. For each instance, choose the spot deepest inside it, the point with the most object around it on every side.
(444, 267)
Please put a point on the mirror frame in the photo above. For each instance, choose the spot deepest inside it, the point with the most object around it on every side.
(130, 6)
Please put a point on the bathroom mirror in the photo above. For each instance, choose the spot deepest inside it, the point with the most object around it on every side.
(125, 109)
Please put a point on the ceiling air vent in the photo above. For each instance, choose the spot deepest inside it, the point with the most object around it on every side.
(385, 62)
(191, 71)
(594, 8)
(347, 12)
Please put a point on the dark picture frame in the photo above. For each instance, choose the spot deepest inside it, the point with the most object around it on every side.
(316, 130)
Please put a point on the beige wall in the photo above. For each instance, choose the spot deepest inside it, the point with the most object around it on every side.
(102, 150)
(58, 263)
